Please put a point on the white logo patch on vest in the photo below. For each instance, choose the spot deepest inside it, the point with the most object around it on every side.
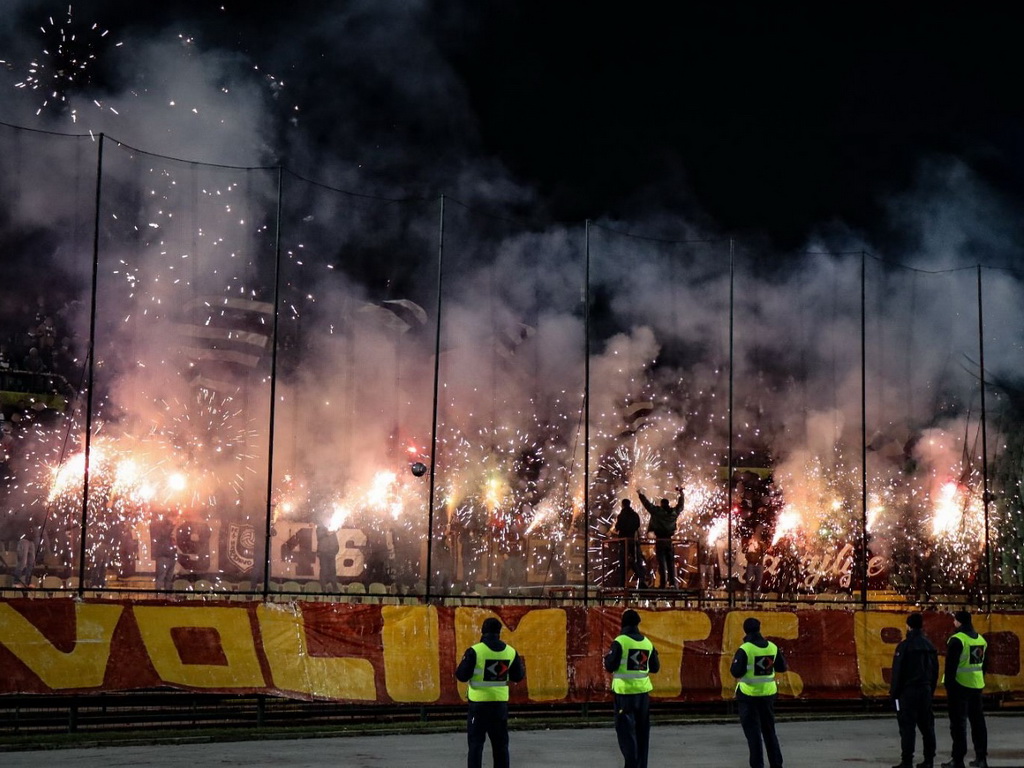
(637, 659)
(496, 670)
(764, 665)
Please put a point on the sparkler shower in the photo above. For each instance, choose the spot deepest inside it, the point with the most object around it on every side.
(274, 356)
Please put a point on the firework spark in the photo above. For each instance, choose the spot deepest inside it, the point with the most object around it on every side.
(65, 64)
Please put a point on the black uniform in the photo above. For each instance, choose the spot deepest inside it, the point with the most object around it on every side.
(757, 713)
(915, 673)
(488, 719)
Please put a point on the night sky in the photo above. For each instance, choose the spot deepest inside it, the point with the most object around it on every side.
(750, 119)
(768, 118)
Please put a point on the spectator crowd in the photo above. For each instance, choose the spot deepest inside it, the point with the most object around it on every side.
(37, 338)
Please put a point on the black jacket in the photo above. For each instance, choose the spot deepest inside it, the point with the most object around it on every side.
(915, 664)
(465, 669)
(627, 524)
(738, 668)
(613, 658)
(663, 519)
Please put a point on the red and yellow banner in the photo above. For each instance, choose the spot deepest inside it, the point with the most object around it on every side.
(398, 654)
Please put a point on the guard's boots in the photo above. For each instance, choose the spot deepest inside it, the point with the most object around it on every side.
(925, 764)
(954, 764)
(979, 762)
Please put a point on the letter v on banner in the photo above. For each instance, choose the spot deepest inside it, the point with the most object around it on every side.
(84, 667)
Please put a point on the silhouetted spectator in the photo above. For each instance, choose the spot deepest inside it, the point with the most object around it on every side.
(47, 334)
(34, 362)
(327, 552)
(627, 528)
(663, 525)
(753, 550)
(30, 546)
(163, 548)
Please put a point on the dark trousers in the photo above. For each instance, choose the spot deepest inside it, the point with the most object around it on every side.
(757, 716)
(633, 560)
(965, 705)
(915, 714)
(487, 720)
(329, 571)
(633, 727)
(666, 558)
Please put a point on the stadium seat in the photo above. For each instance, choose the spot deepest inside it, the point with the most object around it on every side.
(52, 583)
(355, 590)
(384, 594)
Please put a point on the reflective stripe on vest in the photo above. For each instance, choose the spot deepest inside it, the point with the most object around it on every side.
(759, 678)
(633, 674)
(972, 659)
(490, 676)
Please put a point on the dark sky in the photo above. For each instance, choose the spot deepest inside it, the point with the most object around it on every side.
(775, 117)
(756, 118)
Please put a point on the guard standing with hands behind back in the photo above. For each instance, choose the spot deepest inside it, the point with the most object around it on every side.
(964, 679)
(754, 667)
(631, 660)
(915, 673)
(488, 667)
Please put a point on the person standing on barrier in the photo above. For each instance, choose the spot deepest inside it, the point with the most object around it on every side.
(163, 547)
(754, 667)
(30, 544)
(627, 528)
(915, 673)
(964, 679)
(663, 526)
(489, 667)
(327, 548)
(631, 660)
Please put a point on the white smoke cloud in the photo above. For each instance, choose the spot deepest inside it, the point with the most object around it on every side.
(379, 110)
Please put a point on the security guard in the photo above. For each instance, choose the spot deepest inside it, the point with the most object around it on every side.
(964, 679)
(915, 673)
(631, 660)
(488, 667)
(754, 667)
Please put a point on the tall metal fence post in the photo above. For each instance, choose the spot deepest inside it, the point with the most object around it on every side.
(729, 459)
(586, 415)
(986, 497)
(863, 434)
(82, 549)
(433, 418)
(268, 522)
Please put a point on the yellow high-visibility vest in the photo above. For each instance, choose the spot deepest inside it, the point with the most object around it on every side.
(969, 672)
(490, 675)
(759, 678)
(633, 674)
